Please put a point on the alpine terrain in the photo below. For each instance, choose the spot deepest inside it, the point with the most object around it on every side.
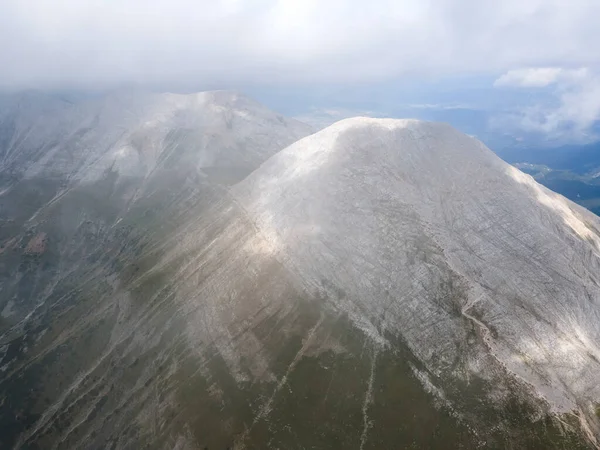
(198, 272)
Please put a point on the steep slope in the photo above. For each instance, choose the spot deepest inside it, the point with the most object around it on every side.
(421, 234)
(72, 172)
(380, 284)
(88, 191)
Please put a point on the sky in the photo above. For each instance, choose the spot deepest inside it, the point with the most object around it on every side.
(529, 67)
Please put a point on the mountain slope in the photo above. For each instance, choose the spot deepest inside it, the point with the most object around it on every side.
(90, 192)
(129, 132)
(420, 233)
(379, 284)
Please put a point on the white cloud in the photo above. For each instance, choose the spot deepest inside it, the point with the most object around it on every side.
(101, 42)
(575, 105)
(529, 77)
(540, 77)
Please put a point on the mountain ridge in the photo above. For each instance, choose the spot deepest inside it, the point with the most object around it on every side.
(346, 293)
(460, 196)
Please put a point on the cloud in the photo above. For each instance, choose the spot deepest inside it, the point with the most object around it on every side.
(529, 77)
(540, 77)
(96, 43)
(573, 107)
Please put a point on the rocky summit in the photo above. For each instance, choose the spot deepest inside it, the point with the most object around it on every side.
(199, 272)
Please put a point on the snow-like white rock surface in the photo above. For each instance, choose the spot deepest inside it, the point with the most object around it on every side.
(420, 231)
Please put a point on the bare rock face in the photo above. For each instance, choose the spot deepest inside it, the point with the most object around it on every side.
(420, 233)
(379, 284)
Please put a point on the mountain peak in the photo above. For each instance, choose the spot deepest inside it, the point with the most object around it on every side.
(387, 211)
(388, 123)
(384, 147)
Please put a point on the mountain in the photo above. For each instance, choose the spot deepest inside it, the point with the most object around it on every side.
(170, 279)
(420, 234)
(90, 191)
(569, 170)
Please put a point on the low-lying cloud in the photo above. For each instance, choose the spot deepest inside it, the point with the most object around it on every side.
(98, 43)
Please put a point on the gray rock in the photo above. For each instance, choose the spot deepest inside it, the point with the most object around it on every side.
(379, 284)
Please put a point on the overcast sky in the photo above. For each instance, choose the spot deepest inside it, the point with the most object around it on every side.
(522, 44)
